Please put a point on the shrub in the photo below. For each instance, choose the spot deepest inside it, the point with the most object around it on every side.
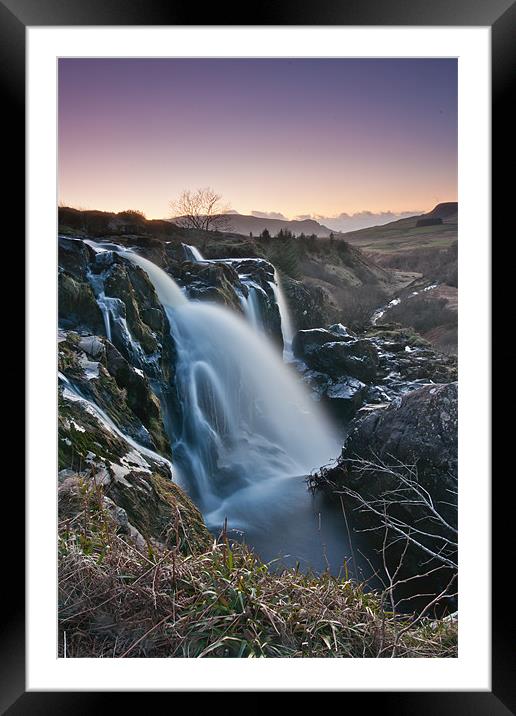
(423, 313)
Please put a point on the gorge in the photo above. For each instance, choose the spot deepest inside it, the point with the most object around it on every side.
(188, 397)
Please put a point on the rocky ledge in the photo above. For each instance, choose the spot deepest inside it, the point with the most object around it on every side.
(349, 371)
(114, 450)
(398, 475)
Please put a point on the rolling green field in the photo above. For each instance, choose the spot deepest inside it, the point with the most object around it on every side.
(403, 235)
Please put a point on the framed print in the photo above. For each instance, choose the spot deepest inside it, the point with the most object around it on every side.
(258, 353)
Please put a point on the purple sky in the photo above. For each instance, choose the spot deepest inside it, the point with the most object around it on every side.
(296, 136)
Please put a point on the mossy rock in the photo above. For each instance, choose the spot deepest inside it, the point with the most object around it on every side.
(159, 509)
(80, 434)
(77, 304)
(141, 486)
(397, 334)
(74, 257)
(122, 392)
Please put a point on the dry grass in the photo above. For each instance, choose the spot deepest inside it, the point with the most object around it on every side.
(116, 600)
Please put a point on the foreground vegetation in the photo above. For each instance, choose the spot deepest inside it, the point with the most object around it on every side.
(117, 599)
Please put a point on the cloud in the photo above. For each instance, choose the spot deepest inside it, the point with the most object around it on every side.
(362, 219)
(269, 215)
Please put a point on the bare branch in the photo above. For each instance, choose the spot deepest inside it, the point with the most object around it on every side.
(201, 209)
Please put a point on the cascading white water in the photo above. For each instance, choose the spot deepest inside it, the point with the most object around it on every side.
(192, 253)
(251, 304)
(246, 420)
(169, 293)
(286, 323)
(248, 433)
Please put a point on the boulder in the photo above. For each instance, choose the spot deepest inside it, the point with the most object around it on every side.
(77, 304)
(93, 346)
(74, 257)
(418, 429)
(309, 305)
(355, 358)
(345, 396)
(396, 457)
(306, 340)
(216, 282)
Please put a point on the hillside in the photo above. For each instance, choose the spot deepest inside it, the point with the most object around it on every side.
(345, 283)
(246, 224)
(389, 243)
(425, 244)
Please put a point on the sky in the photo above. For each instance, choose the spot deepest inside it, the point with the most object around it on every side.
(334, 139)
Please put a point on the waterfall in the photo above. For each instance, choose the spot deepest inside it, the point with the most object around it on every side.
(192, 253)
(286, 324)
(245, 418)
(251, 303)
(246, 426)
(244, 429)
(169, 293)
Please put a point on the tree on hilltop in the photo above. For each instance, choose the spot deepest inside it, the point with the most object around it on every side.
(201, 209)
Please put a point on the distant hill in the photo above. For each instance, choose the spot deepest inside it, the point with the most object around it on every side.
(447, 211)
(245, 224)
(413, 233)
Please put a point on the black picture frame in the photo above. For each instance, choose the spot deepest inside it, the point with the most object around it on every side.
(500, 15)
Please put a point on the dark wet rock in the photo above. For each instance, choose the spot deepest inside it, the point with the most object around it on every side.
(154, 318)
(391, 360)
(74, 257)
(345, 396)
(341, 330)
(308, 305)
(419, 429)
(306, 340)
(376, 394)
(103, 375)
(358, 359)
(260, 270)
(140, 397)
(77, 304)
(131, 285)
(101, 471)
(93, 346)
(216, 282)
(413, 439)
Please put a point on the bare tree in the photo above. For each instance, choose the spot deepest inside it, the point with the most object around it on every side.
(400, 513)
(421, 521)
(201, 209)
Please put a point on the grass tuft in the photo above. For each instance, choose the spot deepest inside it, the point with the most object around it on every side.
(117, 600)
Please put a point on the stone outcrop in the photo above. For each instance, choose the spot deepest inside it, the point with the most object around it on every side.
(308, 305)
(99, 371)
(136, 490)
(419, 429)
(349, 370)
